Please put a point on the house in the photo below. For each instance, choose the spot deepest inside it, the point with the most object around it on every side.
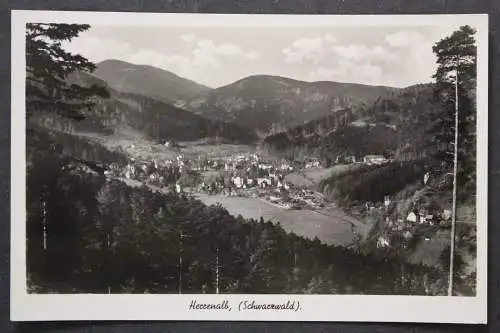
(238, 181)
(273, 176)
(446, 214)
(382, 242)
(426, 178)
(374, 159)
(178, 188)
(412, 217)
(312, 164)
(263, 182)
(265, 166)
(387, 201)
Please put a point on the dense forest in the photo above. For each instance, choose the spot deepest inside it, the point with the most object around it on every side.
(392, 125)
(372, 183)
(104, 236)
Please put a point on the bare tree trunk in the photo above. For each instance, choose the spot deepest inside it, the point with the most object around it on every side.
(454, 204)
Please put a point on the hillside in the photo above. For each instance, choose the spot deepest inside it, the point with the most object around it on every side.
(148, 81)
(148, 117)
(393, 126)
(271, 104)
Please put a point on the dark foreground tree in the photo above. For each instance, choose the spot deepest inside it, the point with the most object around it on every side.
(54, 233)
(47, 67)
(455, 129)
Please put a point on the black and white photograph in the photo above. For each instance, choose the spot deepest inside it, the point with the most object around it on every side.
(245, 166)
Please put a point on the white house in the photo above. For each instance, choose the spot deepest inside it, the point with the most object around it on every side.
(313, 164)
(412, 217)
(178, 188)
(426, 178)
(238, 181)
(387, 201)
(263, 182)
(446, 214)
(382, 242)
(374, 159)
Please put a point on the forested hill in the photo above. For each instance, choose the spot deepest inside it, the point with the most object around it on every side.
(148, 81)
(151, 118)
(271, 104)
(394, 126)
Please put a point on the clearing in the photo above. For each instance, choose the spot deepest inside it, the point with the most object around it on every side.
(335, 228)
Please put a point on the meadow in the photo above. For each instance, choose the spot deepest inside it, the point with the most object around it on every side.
(333, 229)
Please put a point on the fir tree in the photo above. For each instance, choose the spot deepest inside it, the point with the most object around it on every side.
(47, 68)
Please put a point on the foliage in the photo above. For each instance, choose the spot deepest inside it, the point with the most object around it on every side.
(47, 67)
(372, 183)
(102, 234)
(391, 125)
(456, 55)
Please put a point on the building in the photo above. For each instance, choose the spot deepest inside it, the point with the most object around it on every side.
(382, 242)
(238, 181)
(426, 178)
(412, 217)
(387, 201)
(374, 159)
(446, 214)
(312, 164)
(263, 182)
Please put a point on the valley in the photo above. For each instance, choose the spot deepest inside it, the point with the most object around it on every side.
(286, 151)
(346, 165)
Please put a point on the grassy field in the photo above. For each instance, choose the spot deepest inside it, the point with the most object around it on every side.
(310, 224)
(247, 207)
(328, 227)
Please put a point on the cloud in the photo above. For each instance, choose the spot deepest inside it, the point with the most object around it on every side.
(404, 39)
(188, 38)
(360, 52)
(348, 71)
(253, 55)
(197, 65)
(311, 48)
(98, 49)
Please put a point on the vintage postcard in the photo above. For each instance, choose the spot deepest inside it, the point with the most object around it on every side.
(249, 167)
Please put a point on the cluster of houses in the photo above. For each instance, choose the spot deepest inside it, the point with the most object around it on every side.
(368, 159)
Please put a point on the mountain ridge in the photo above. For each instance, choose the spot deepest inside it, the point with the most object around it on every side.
(154, 119)
(147, 80)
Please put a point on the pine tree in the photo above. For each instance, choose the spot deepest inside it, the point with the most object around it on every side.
(47, 68)
(454, 89)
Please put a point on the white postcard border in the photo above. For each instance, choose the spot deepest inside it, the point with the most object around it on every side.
(29, 307)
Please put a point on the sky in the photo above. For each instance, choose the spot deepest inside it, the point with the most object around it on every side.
(217, 56)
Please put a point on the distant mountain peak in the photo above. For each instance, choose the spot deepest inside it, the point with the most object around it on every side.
(270, 103)
(148, 81)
